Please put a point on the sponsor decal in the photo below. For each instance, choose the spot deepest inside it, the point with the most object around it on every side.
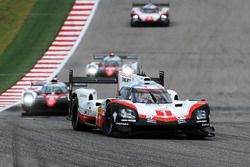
(114, 116)
(122, 123)
(151, 121)
(181, 119)
(128, 120)
(51, 100)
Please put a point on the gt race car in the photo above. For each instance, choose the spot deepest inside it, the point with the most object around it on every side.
(142, 105)
(106, 66)
(150, 13)
(45, 97)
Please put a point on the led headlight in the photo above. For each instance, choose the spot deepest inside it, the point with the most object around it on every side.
(201, 114)
(135, 17)
(127, 70)
(127, 113)
(163, 17)
(28, 99)
(92, 70)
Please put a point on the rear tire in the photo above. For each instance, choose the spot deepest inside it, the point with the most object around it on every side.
(76, 123)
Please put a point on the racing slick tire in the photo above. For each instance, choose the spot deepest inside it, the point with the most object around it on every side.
(26, 111)
(109, 125)
(201, 133)
(195, 136)
(133, 24)
(76, 124)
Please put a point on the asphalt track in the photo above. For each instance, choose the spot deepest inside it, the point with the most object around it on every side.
(205, 53)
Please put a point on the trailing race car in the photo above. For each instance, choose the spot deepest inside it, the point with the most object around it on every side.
(142, 105)
(50, 97)
(150, 13)
(108, 65)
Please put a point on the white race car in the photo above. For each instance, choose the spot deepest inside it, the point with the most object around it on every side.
(142, 105)
(150, 13)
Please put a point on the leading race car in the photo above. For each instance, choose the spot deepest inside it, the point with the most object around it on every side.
(45, 97)
(150, 13)
(142, 105)
(108, 65)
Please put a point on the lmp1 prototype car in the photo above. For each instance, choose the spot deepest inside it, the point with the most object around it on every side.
(50, 97)
(108, 65)
(142, 105)
(150, 13)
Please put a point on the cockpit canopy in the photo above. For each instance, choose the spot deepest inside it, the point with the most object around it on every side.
(54, 89)
(150, 8)
(112, 62)
(149, 96)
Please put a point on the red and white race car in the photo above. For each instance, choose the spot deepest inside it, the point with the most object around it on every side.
(108, 65)
(45, 97)
(142, 105)
(150, 13)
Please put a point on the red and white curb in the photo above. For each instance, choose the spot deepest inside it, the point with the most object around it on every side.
(60, 50)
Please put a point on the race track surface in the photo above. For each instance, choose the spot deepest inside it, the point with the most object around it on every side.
(205, 53)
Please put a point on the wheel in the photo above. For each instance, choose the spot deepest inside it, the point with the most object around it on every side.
(166, 24)
(76, 124)
(26, 111)
(195, 136)
(132, 24)
(109, 125)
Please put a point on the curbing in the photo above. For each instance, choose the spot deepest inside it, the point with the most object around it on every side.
(57, 55)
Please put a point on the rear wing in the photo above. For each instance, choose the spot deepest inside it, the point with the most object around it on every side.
(157, 4)
(125, 80)
(83, 81)
(123, 56)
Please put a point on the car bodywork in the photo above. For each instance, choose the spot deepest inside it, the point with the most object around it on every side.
(150, 13)
(128, 113)
(45, 97)
(110, 67)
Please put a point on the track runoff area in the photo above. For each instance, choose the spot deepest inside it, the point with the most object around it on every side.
(60, 50)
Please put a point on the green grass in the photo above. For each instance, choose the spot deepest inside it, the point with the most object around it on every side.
(35, 36)
(11, 20)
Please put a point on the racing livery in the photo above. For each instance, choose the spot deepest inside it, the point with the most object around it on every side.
(42, 97)
(143, 104)
(150, 13)
(108, 65)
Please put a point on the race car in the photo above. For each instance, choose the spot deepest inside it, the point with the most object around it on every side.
(108, 65)
(45, 97)
(143, 105)
(150, 13)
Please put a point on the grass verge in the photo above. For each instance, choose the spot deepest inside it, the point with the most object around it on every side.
(35, 36)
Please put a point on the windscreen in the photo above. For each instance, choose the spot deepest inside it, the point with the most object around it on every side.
(112, 63)
(159, 96)
(49, 89)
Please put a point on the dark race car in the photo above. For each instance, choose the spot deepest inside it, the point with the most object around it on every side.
(48, 98)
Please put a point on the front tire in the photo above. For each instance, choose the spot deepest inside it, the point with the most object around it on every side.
(109, 126)
(26, 111)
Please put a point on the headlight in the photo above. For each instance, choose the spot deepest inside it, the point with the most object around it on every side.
(127, 113)
(28, 99)
(201, 114)
(92, 70)
(163, 17)
(135, 17)
(127, 70)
